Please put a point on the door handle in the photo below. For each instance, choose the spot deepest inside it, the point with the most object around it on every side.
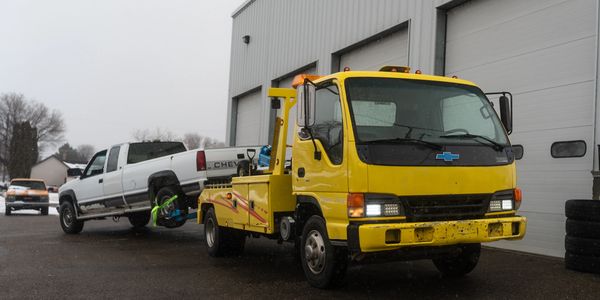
(252, 204)
(101, 180)
(301, 172)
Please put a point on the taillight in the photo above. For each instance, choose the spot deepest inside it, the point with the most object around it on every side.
(356, 205)
(200, 161)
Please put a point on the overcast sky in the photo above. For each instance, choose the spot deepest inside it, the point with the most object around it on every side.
(114, 66)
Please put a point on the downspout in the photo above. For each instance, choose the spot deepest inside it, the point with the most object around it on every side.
(596, 107)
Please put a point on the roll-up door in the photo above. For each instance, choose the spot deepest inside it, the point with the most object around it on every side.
(388, 50)
(247, 129)
(543, 52)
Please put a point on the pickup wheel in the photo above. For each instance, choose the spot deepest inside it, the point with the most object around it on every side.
(44, 211)
(68, 219)
(460, 264)
(162, 196)
(7, 210)
(324, 265)
(139, 219)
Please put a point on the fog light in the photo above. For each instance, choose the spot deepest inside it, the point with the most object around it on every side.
(507, 205)
(495, 205)
(391, 209)
(373, 210)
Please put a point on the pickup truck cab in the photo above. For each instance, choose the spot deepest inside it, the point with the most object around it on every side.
(129, 179)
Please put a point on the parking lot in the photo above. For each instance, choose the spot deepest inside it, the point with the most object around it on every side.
(109, 260)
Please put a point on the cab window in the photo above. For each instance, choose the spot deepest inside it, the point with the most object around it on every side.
(96, 165)
(328, 122)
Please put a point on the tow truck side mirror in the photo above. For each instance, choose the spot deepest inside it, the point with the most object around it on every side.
(306, 105)
(506, 112)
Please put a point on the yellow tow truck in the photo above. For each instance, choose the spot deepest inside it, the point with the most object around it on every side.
(385, 165)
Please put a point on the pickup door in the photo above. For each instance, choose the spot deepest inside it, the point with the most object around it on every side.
(113, 184)
(90, 189)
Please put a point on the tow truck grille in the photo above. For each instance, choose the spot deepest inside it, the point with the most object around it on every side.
(445, 208)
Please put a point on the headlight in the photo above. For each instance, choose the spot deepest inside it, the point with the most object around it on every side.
(505, 201)
(374, 205)
(10, 198)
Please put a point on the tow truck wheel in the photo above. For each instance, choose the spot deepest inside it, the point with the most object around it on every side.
(68, 219)
(324, 265)
(212, 234)
(460, 264)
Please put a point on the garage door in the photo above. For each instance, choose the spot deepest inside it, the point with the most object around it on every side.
(389, 50)
(543, 52)
(247, 128)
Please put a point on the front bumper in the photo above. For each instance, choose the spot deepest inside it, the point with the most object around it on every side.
(26, 205)
(375, 237)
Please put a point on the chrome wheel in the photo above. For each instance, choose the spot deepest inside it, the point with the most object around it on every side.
(209, 232)
(314, 252)
(67, 217)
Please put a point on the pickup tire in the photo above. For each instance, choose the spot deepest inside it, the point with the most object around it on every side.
(44, 211)
(460, 264)
(139, 219)
(68, 219)
(324, 265)
(7, 210)
(162, 196)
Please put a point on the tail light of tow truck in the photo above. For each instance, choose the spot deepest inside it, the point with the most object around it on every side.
(200, 161)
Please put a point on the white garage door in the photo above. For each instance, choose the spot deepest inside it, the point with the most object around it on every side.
(391, 50)
(247, 127)
(543, 52)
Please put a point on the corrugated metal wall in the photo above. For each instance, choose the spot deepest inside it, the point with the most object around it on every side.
(283, 34)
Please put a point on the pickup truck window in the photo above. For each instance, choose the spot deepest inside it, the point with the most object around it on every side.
(96, 165)
(139, 152)
(28, 184)
(113, 159)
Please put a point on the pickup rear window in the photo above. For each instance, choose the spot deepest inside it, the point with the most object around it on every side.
(33, 185)
(139, 152)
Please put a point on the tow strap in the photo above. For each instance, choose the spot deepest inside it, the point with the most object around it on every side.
(157, 207)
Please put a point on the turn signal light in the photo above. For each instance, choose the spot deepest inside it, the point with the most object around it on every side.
(356, 205)
(518, 197)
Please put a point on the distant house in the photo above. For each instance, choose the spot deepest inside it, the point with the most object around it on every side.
(54, 171)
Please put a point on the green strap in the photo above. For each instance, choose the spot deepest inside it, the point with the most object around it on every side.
(157, 207)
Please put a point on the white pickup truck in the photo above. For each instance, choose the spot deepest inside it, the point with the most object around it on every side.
(130, 179)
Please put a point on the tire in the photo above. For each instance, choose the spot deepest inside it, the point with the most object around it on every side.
(583, 263)
(7, 211)
(213, 234)
(582, 246)
(162, 196)
(583, 229)
(139, 219)
(461, 264)
(324, 265)
(44, 211)
(68, 219)
(583, 210)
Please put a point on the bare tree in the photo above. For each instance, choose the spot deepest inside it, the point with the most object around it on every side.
(16, 109)
(158, 134)
(86, 152)
(192, 140)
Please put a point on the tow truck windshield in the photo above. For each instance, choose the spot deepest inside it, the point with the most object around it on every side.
(419, 117)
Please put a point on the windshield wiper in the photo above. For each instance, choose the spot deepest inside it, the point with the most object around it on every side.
(404, 140)
(497, 146)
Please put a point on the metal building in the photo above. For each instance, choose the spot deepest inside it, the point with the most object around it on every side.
(544, 51)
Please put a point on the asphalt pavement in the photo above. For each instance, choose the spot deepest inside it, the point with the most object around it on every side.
(111, 260)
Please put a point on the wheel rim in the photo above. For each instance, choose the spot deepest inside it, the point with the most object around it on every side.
(165, 211)
(67, 217)
(209, 229)
(314, 252)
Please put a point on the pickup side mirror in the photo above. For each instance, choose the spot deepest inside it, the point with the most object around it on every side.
(506, 112)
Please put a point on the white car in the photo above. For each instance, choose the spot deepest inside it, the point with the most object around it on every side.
(130, 179)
